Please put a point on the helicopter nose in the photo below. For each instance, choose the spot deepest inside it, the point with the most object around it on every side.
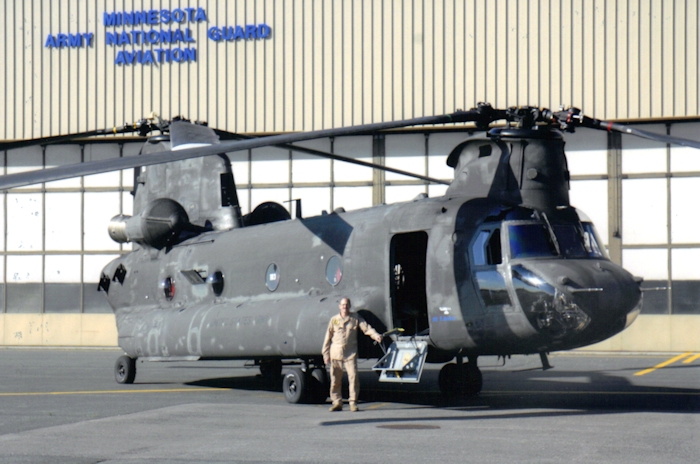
(591, 300)
(608, 294)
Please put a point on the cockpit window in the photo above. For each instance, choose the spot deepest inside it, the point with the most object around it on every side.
(537, 240)
(575, 242)
(592, 242)
(530, 241)
(570, 240)
(486, 250)
(486, 253)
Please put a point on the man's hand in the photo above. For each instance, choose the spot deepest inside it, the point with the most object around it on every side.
(326, 360)
(377, 338)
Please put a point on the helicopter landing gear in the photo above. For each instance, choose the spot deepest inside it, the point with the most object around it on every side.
(306, 384)
(294, 385)
(319, 384)
(271, 371)
(125, 369)
(460, 379)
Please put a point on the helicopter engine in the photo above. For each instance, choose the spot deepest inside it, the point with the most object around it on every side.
(157, 226)
(515, 165)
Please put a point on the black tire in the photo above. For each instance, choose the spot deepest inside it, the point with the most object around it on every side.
(294, 386)
(319, 385)
(454, 381)
(448, 380)
(271, 371)
(473, 380)
(125, 370)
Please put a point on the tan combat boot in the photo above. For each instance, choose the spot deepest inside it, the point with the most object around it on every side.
(336, 406)
(353, 407)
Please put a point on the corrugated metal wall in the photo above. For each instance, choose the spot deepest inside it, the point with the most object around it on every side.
(335, 63)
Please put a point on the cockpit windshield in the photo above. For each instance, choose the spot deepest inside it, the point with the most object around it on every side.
(531, 240)
(569, 240)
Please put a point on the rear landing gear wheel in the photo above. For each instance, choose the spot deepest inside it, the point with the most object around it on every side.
(125, 370)
(294, 385)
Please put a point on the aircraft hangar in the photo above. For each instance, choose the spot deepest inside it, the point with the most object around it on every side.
(261, 67)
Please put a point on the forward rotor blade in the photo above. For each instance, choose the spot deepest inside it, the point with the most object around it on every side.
(333, 156)
(96, 167)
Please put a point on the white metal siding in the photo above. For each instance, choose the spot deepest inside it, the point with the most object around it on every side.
(336, 63)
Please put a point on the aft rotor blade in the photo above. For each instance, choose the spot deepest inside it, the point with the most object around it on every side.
(336, 157)
(142, 127)
(96, 167)
(573, 117)
(622, 128)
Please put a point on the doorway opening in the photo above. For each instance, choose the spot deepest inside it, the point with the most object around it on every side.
(409, 306)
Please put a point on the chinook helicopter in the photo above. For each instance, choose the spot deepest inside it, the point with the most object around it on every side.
(501, 264)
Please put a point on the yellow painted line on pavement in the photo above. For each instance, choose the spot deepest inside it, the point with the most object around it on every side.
(585, 392)
(691, 359)
(113, 392)
(376, 406)
(663, 364)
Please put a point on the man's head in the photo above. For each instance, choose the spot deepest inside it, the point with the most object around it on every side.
(344, 307)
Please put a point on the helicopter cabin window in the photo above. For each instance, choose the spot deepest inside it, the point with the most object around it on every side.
(168, 286)
(216, 280)
(272, 277)
(334, 271)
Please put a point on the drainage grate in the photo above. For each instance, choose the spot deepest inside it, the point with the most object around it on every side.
(408, 426)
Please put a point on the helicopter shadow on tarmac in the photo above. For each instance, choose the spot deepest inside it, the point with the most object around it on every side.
(559, 392)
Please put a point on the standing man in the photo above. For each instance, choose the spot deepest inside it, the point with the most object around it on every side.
(340, 351)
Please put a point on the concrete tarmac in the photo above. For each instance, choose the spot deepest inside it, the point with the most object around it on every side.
(64, 406)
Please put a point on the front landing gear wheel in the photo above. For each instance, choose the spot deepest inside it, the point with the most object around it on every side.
(473, 380)
(125, 370)
(294, 385)
(319, 385)
(464, 380)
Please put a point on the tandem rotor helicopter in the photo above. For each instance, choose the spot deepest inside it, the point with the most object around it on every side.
(502, 264)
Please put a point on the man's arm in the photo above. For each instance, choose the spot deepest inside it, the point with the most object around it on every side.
(369, 330)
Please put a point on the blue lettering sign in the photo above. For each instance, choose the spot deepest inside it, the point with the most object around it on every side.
(250, 31)
(78, 40)
(229, 33)
(214, 33)
(178, 15)
(159, 55)
(153, 17)
(264, 31)
(145, 36)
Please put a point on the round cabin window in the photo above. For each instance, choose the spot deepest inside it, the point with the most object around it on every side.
(216, 280)
(168, 286)
(334, 271)
(272, 278)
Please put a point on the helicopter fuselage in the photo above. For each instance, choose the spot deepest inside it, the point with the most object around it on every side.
(474, 275)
